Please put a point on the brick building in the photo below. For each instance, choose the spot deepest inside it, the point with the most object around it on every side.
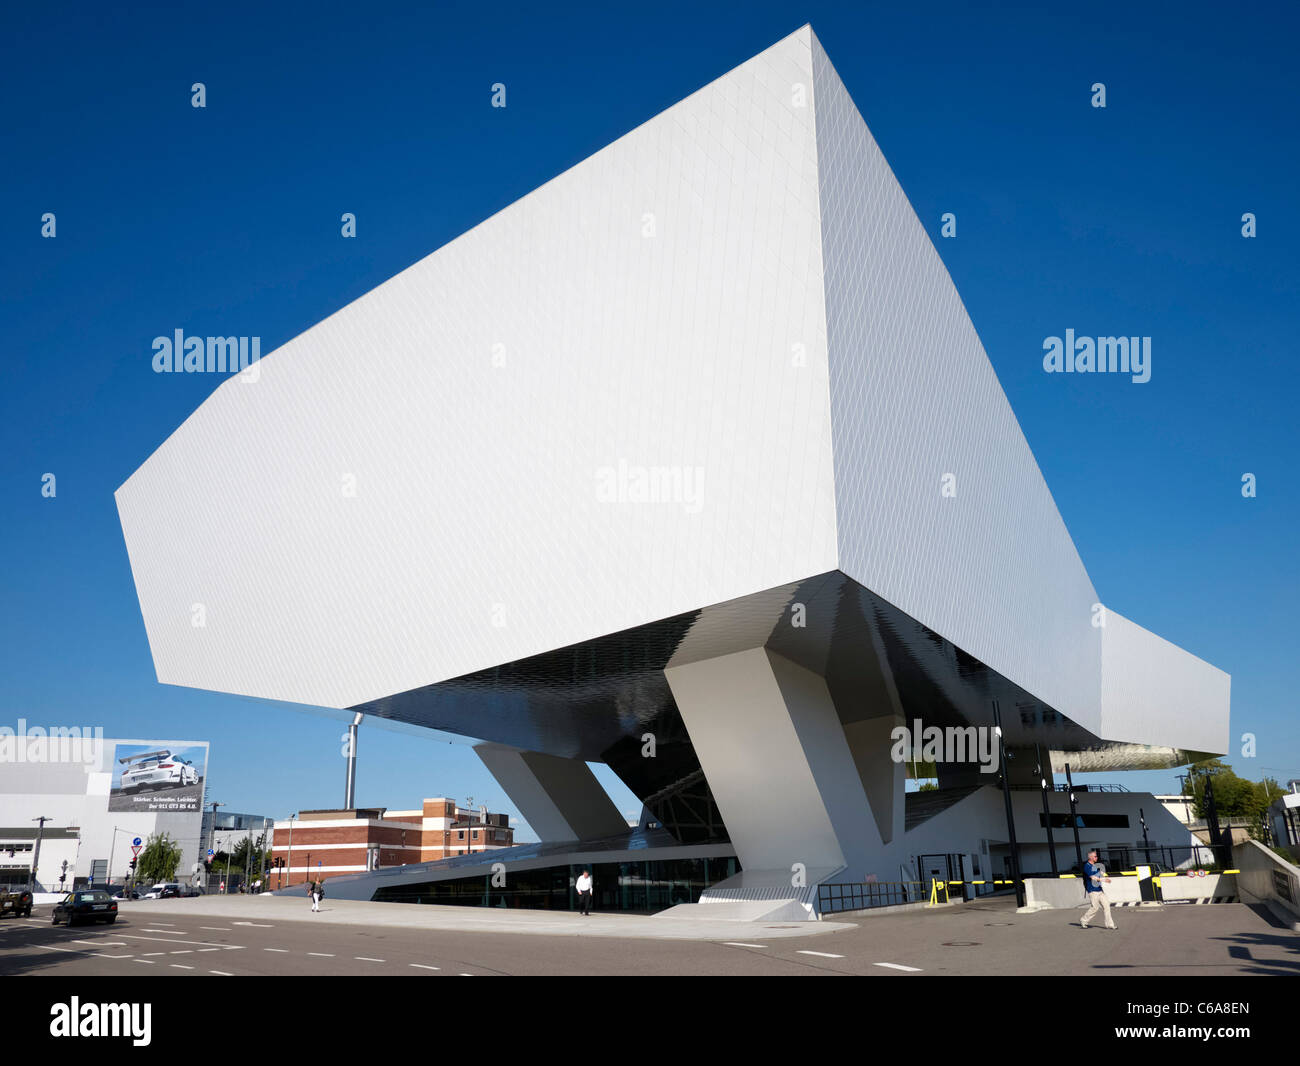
(332, 842)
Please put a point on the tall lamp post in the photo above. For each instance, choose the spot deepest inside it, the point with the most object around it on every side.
(1006, 796)
(288, 863)
(36, 853)
(1047, 812)
(212, 841)
(112, 850)
(1074, 818)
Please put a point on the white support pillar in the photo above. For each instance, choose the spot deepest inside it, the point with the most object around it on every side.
(559, 798)
(884, 780)
(779, 765)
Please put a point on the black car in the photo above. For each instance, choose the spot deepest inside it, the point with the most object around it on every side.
(18, 903)
(87, 905)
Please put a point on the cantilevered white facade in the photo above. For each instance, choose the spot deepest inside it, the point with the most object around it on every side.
(712, 377)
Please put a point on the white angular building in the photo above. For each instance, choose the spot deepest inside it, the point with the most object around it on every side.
(689, 462)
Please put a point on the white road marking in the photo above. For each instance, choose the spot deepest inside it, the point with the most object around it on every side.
(216, 928)
(148, 953)
(738, 944)
(201, 950)
(320, 954)
(186, 951)
(100, 954)
(147, 962)
(173, 940)
(171, 924)
(896, 966)
(50, 947)
(421, 966)
(220, 973)
(821, 954)
(284, 950)
(178, 966)
(467, 975)
(255, 925)
(362, 958)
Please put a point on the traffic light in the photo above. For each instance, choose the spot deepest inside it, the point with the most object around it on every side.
(133, 862)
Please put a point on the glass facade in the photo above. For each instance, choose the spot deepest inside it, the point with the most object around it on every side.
(641, 887)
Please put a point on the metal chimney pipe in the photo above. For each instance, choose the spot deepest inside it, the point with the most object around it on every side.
(350, 791)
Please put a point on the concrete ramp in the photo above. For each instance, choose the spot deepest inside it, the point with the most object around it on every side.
(743, 910)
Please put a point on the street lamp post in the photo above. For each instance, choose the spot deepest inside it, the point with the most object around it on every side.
(1006, 796)
(288, 863)
(212, 841)
(1074, 818)
(1047, 812)
(36, 853)
(112, 850)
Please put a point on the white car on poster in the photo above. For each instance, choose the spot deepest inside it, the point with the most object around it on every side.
(157, 769)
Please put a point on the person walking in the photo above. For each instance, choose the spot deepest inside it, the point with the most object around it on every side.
(1093, 876)
(316, 891)
(583, 886)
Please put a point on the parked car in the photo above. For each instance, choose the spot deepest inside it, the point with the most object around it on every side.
(165, 890)
(95, 905)
(18, 903)
(155, 770)
(126, 893)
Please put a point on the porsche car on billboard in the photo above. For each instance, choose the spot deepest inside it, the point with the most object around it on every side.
(158, 777)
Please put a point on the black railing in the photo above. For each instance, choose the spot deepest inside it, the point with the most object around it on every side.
(1163, 856)
(861, 896)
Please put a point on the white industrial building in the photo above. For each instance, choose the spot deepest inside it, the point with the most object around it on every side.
(689, 462)
(73, 782)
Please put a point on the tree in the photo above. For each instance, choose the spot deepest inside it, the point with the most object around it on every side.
(247, 856)
(159, 859)
(1234, 797)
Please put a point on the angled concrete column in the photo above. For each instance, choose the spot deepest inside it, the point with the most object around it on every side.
(559, 798)
(779, 765)
(884, 780)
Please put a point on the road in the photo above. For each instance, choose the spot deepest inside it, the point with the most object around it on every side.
(260, 936)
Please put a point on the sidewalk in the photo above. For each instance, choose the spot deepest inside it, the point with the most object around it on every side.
(267, 908)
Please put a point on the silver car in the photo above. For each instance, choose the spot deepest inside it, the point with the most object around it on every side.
(155, 770)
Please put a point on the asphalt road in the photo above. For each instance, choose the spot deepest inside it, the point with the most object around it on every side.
(986, 938)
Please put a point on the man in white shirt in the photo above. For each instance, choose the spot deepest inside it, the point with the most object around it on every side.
(583, 886)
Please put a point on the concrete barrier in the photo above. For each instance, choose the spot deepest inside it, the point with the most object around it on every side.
(1211, 886)
(1067, 892)
(1266, 878)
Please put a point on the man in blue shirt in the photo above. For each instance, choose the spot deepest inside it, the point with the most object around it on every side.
(1093, 876)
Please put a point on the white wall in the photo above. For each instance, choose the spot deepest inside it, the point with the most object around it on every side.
(476, 535)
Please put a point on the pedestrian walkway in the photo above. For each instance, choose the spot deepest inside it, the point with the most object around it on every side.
(295, 907)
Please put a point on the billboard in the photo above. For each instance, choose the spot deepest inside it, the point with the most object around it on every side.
(158, 776)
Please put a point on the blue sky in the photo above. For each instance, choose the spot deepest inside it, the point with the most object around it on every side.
(224, 220)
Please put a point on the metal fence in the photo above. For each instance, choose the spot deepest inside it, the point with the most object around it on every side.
(861, 896)
(1165, 856)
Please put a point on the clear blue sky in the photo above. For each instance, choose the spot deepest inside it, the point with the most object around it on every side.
(226, 220)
